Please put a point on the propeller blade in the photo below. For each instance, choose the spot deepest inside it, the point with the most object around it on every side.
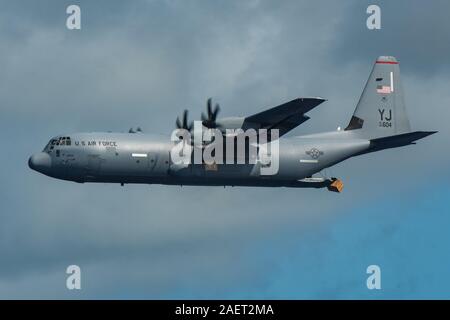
(209, 120)
(216, 111)
(209, 108)
(190, 126)
(184, 124)
(185, 120)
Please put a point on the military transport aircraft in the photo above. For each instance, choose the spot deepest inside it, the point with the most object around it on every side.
(379, 122)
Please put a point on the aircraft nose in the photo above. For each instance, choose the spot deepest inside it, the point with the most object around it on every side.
(40, 162)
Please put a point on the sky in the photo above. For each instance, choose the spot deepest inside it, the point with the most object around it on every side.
(141, 63)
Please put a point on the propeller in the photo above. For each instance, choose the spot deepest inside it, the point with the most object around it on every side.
(184, 123)
(209, 120)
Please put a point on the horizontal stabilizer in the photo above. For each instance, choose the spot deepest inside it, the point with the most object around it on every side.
(398, 140)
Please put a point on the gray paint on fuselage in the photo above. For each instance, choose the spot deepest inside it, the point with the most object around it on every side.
(107, 157)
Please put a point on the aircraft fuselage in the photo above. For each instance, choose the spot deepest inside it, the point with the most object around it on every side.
(143, 158)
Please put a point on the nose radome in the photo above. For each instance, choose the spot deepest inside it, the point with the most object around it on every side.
(40, 162)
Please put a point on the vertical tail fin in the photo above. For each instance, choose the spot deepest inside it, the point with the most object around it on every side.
(381, 110)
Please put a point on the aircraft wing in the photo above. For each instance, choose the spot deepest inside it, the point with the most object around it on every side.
(284, 117)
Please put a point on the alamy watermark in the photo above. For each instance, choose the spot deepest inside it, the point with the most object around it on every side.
(214, 147)
(73, 281)
(73, 21)
(374, 280)
(373, 22)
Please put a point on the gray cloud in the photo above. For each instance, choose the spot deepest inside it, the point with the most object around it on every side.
(142, 64)
(416, 33)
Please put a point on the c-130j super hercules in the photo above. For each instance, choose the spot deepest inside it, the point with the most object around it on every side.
(379, 122)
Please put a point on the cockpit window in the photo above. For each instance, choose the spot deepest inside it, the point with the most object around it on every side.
(50, 145)
(65, 141)
(61, 141)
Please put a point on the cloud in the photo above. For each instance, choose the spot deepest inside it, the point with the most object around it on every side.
(142, 64)
(414, 34)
